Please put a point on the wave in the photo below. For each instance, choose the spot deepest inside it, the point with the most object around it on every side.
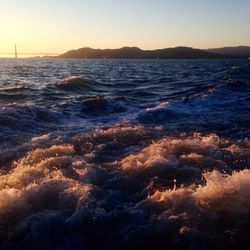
(75, 83)
(14, 89)
(25, 117)
(220, 193)
(136, 155)
(237, 70)
(128, 182)
(212, 109)
(102, 106)
(15, 93)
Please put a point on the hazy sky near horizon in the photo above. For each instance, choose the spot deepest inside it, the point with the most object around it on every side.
(60, 25)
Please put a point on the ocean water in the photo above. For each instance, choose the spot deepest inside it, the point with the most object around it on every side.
(124, 154)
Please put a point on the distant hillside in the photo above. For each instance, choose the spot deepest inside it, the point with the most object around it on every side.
(137, 53)
(235, 52)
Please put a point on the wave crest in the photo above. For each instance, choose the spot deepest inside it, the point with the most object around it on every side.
(125, 181)
(75, 83)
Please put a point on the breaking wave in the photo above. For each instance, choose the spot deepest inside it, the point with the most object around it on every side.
(140, 186)
(75, 83)
(123, 154)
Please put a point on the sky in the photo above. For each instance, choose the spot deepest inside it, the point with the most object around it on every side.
(55, 26)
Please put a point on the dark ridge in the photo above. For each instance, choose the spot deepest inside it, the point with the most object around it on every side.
(234, 52)
(137, 53)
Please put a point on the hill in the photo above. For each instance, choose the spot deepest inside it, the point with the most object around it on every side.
(234, 52)
(137, 53)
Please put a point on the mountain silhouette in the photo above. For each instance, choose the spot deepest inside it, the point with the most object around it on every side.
(137, 53)
(234, 52)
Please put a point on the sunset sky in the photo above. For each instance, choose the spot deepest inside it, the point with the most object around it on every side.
(60, 25)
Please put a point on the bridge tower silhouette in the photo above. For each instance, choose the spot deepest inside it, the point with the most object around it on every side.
(20, 51)
(15, 52)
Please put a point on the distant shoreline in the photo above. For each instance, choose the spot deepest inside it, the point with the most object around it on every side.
(134, 53)
(240, 52)
(120, 59)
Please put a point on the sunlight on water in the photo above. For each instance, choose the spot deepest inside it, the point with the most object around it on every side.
(124, 154)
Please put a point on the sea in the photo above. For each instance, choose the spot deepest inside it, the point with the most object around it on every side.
(124, 154)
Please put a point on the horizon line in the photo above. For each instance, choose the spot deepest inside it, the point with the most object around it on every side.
(186, 46)
(124, 46)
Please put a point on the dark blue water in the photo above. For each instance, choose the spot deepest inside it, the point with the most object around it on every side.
(117, 154)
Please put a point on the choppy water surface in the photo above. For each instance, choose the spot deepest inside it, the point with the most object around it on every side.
(99, 154)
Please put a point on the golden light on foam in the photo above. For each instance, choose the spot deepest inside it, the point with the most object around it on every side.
(221, 192)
